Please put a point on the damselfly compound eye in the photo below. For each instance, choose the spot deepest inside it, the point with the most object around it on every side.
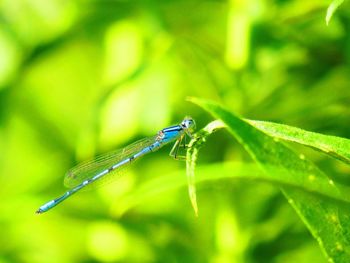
(189, 124)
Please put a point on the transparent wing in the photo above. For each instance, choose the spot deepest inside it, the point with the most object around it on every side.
(90, 168)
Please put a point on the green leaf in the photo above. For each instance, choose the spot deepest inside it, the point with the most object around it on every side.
(191, 158)
(327, 220)
(209, 172)
(331, 9)
(334, 146)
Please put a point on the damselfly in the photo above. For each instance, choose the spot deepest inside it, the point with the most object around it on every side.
(109, 164)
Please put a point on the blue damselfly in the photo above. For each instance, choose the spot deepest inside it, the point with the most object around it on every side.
(106, 165)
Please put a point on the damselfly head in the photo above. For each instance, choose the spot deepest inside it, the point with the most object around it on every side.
(189, 124)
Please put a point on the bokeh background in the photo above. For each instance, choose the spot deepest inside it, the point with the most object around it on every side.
(81, 77)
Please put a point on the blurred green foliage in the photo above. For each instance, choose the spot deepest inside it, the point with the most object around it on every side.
(82, 77)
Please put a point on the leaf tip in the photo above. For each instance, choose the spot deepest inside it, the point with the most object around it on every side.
(194, 205)
(192, 195)
(328, 18)
(331, 10)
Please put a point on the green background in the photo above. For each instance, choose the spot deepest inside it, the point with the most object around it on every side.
(79, 78)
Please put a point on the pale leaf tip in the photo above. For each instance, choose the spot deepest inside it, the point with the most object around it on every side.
(195, 207)
(328, 18)
(193, 198)
(331, 10)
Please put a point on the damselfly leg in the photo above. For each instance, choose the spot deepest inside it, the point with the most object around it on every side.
(178, 152)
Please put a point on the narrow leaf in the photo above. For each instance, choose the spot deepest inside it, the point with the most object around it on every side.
(331, 9)
(196, 142)
(327, 221)
(334, 146)
(212, 172)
